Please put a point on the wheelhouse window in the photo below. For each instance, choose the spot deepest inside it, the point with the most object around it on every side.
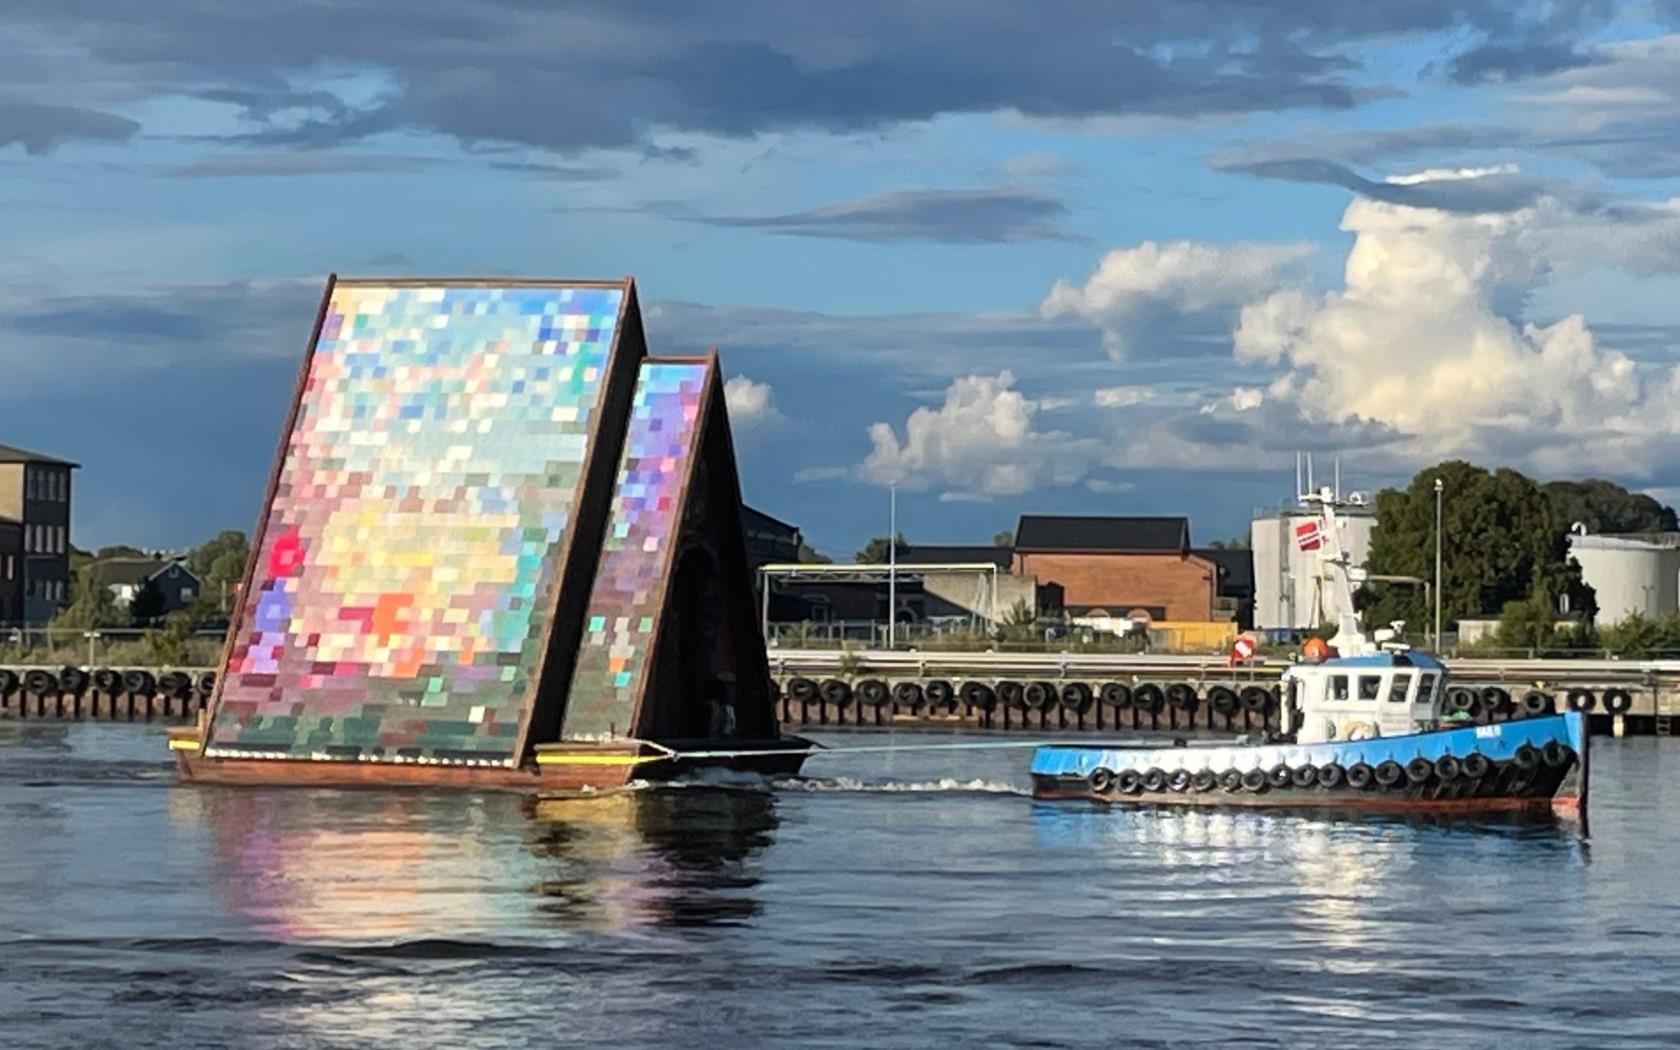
(1426, 688)
(1370, 686)
(1397, 688)
(1338, 688)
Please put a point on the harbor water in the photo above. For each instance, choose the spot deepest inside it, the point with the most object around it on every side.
(916, 899)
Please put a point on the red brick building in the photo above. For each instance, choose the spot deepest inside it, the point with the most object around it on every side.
(1119, 566)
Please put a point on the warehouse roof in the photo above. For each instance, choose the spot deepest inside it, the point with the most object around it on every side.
(955, 554)
(1103, 534)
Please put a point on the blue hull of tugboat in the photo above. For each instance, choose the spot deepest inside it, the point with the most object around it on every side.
(1530, 763)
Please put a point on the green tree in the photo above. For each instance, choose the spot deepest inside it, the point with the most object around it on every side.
(91, 606)
(1604, 506)
(1500, 544)
(220, 560)
(1005, 538)
(147, 604)
(1235, 543)
(1528, 624)
(875, 551)
(809, 555)
(121, 550)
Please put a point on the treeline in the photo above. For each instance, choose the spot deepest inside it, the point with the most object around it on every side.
(219, 564)
(1504, 552)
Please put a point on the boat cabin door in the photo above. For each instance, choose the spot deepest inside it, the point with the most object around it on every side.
(1394, 713)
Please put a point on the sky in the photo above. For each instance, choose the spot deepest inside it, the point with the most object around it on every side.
(1067, 258)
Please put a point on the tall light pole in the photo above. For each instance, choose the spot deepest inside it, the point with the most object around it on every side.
(1438, 488)
(892, 566)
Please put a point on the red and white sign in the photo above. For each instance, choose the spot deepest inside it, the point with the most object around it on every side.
(1243, 650)
(1308, 535)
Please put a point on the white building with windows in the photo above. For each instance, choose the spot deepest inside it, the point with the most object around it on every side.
(1291, 590)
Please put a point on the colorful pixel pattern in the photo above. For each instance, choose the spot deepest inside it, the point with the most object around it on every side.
(406, 571)
(629, 591)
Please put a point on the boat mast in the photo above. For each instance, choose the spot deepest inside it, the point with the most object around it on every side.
(1349, 639)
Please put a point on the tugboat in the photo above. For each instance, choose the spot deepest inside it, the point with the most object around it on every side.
(1361, 729)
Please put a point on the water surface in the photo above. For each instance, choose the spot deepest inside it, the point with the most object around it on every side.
(903, 900)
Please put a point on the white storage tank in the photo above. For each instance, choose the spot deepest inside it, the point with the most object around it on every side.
(1636, 573)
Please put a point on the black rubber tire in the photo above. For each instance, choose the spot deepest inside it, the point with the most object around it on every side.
(1280, 775)
(1179, 781)
(1304, 776)
(1038, 695)
(1255, 699)
(980, 696)
(872, 692)
(1223, 699)
(1181, 696)
(1127, 782)
(1231, 780)
(940, 694)
(1360, 776)
(1331, 775)
(799, 689)
(1100, 780)
(1149, 697)
(1526, 757)
(72, 681)
(1154, 779)
(1617, 701)
(39, 682)
(1390, 773)
(1534, 702)
(9, 681)
(1580, 700)
(1419, 770)
(1476, 766)
(206, 684)
(837, 693)
(107, 681)
(908, 694)
(176, 685)
(1203, 780)
(1076, 697)
(1462, 698)
(1255, 781)
(1011, 694)
(1448, 768)
(1495, 699)
(1116, 695)
(1557, 754)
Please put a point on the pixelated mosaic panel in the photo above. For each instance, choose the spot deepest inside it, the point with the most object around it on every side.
(630, 583)
(405, 578)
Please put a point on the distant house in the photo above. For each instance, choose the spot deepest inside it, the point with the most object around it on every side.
(1114, 569)
(972, 582)
(11, 572)
(769, 540)
(35, 504)
(125, 577)
(1234, 597)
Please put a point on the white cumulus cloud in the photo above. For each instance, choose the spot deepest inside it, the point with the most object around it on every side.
(980, 443)
(1135, 290)
(750, 403)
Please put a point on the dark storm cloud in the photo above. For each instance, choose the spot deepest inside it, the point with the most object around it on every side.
(604, 73)
(557, 172)
(1488, 193)
(1506, 62)
(983, 216)
(40, 129)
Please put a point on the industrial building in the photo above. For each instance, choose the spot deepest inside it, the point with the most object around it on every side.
(1630, 574)
(1291, 591)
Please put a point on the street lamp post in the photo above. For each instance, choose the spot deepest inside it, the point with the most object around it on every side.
(1438, 488)
(892, 566)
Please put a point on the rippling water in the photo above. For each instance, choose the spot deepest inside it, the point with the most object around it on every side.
(890, 901)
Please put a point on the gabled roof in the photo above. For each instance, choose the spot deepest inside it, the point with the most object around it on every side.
(132, 571)
(1106, 534)
(955, 554)
(13, 454)
(1236, 567)
(767, 519)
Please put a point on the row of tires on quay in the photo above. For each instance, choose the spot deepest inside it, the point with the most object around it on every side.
(1449, 775)
(63, 692)
(939, 696)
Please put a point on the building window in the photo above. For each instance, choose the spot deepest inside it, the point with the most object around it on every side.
(1370, 686)
(28, 483)
(186, 594)
(59, 538)
(1338, 687)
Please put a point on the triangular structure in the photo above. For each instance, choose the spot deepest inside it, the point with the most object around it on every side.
(672, 650)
